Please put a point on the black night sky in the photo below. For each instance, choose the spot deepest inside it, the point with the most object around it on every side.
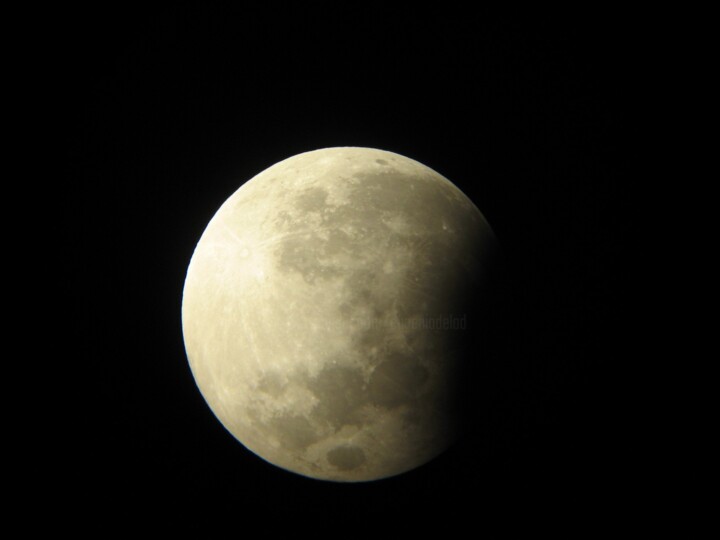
(172, 110)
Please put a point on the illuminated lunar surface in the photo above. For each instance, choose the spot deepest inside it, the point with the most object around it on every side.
(323, 310)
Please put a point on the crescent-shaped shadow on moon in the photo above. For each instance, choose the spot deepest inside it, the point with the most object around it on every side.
(324, 311)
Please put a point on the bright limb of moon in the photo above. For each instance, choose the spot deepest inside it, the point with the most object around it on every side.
(322, 311)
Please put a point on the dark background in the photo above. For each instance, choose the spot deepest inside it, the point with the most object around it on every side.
(169, 112)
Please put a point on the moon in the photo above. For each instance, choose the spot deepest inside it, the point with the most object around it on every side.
(324, 309)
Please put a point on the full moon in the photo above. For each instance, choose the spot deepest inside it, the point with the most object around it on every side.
(325, 309)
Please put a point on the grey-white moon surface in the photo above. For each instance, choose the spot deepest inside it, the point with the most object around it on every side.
(323, 307)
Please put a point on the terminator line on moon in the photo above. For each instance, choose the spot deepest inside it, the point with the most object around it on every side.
(308, 307)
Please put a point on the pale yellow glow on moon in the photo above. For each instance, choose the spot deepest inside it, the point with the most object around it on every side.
(308, 307)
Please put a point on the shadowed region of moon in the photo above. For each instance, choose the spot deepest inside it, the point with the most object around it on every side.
(324, 312)
(396, 381)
